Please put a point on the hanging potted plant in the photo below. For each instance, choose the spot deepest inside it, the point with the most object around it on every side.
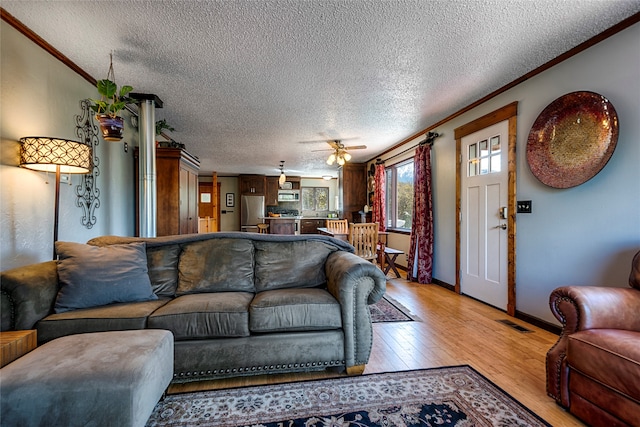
(112, 101)
(160, 126)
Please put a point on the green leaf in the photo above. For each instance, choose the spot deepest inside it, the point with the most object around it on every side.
(124, 90)
(117, 106)
(107, 88)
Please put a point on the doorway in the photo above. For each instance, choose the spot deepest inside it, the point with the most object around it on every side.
(483, 272)
(209, 206)
(485, 232)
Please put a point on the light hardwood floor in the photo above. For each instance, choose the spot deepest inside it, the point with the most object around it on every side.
(453, 330)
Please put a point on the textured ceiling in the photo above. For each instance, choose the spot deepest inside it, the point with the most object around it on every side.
(244, 82)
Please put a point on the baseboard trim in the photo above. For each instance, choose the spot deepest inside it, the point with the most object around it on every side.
(542, 324)
(445, 285)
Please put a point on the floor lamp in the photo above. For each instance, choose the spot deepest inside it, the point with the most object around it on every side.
(55, 155)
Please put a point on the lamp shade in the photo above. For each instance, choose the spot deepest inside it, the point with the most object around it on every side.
(44, 154)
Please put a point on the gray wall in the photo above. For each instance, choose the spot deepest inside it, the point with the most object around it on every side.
(584, 235)
(39, 96)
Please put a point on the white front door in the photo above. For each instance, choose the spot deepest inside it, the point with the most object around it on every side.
(483, 252)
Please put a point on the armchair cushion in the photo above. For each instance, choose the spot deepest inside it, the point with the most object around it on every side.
(609, 356)
(92, 276)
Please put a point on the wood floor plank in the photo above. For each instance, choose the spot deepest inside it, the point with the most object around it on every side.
(453, 330)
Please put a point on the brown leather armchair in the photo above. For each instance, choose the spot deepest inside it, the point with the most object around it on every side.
(594, 368)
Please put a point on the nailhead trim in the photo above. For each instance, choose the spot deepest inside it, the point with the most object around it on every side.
(214, 372)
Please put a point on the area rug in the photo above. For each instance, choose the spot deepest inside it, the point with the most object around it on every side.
(452, 396)
(390, 310)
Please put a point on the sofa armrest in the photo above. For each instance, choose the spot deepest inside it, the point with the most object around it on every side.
(586, 307)
(30, 292)
(355, 283)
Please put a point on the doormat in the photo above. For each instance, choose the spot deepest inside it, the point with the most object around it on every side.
(453, 396)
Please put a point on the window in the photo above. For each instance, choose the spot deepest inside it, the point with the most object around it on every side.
(315, 198)
(484, 157)
(399, 194)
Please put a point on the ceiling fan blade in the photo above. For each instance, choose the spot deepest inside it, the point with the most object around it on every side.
(356, 147)
(326, 149)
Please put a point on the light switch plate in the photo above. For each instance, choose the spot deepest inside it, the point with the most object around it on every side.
(523, 206)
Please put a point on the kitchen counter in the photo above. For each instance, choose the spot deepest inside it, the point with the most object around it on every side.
(281, 217)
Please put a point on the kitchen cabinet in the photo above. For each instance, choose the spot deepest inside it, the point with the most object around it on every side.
(281, 226)
(361, 216)
(176, 192)
(252, 185)
(310, 226)
(271, 197)
(352, 188)
(295, 182)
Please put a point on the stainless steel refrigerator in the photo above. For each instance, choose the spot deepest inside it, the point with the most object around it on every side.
(251, 213)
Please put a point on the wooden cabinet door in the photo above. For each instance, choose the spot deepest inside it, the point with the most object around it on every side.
(282, 227)
(177, 192)
(271, 198)
(184, 201)
(189, 202)
(310, 226)
(252, 185)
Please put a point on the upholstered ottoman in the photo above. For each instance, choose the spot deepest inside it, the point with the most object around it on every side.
(97, 379)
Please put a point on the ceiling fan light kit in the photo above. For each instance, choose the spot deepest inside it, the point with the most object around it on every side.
(283, 177)
(341, 156)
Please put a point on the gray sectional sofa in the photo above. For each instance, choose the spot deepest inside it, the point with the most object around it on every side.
(236, 303)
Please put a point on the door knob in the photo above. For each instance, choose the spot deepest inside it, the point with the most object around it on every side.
(502, 226)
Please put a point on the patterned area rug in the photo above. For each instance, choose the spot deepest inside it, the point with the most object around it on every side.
(390, 310)
(453, 396)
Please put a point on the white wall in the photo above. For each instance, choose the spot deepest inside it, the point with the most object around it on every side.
(584, 235)
(39, 96)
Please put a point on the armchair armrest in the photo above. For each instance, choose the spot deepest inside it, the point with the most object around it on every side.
(30, 292)
(355, 283)
(581, 308)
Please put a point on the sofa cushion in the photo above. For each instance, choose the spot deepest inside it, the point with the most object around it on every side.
(610, 356)
(297, 264)
(92, 276)
(208, 315)
(115, 317)
(163, 269)
(294, 310)
(216, 265)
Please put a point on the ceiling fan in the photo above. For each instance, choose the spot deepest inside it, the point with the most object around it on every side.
(340, 151)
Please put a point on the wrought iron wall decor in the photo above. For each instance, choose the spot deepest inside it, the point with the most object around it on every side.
(88, 194)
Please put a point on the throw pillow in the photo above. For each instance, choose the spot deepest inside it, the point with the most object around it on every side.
(91, 276)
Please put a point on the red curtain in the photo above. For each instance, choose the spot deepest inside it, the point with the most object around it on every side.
(420, 263)
(379, 211)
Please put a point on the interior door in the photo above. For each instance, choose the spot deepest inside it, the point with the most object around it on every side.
(484, 201)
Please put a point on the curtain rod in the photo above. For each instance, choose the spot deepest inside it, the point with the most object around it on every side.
(428, 140)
